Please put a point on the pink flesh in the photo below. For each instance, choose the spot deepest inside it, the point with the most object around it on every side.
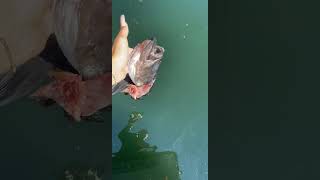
(77, 97)
(137, 92)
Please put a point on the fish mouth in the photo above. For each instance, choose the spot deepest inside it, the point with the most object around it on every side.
(147, 47)
(151, 51)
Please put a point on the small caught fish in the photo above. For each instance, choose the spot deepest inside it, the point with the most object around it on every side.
(76, 42)
(79, 47)
(80, 28)
(143, 66)
(84, 97)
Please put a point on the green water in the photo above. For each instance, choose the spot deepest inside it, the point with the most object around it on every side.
(39, 143)
(175, 113)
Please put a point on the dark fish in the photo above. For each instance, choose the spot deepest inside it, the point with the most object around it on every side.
(83, 29)
(80, 46)
(143, 65)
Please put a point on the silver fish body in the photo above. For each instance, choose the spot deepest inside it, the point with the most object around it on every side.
(143, 65)
(83, 31)
(144, 62)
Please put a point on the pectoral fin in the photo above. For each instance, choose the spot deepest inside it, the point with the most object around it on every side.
(4, 81)
(27, 78)
(121, 86)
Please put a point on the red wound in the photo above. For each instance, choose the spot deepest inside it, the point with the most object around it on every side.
(71, 92)
(132, 90)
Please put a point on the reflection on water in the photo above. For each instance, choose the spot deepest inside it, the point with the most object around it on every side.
(133, 144)
(84, 174)
(136, 159)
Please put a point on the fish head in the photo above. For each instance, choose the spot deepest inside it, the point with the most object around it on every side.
(144, 62)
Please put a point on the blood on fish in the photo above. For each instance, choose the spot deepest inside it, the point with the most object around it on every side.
(133, 90)
(71, 92)
(137, 92)
(78, 98)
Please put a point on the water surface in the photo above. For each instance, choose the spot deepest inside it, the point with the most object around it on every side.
(175, 113)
